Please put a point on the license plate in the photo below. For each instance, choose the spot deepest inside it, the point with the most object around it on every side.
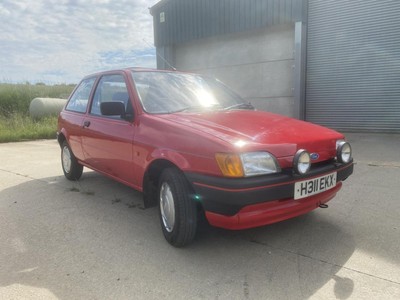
(314, 186)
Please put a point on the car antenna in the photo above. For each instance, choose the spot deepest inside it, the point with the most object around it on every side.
(160, 56)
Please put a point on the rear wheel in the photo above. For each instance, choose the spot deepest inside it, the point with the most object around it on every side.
(178, 212)
(71, 168)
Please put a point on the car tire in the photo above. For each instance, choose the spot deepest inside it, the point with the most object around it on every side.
(177, 209)
(71, 168)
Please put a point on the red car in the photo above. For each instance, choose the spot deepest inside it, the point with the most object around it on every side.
(195, 148)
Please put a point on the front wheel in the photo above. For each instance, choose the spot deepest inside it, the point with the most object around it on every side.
(178, 212)
(71, 168)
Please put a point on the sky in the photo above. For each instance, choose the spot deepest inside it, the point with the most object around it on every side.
(60, 41)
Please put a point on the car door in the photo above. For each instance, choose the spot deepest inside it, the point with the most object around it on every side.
(71, 118)
(107, 141)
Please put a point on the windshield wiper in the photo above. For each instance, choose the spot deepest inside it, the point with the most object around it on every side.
(187, 108)
(195, 107)
(240, 106)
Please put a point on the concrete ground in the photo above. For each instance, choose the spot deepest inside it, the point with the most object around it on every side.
(92, 239)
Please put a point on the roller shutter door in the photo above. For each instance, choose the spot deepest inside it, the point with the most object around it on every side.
(353, 65)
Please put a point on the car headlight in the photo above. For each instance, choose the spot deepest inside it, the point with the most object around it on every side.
(343, 151)
(247, 164)
(301, 162)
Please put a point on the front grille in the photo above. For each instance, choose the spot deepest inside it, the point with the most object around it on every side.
(322, 164)
(315, 167)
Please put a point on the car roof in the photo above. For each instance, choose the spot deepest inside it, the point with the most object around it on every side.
(129, 69)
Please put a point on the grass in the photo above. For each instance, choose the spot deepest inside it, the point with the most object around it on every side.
(20, 127)
(15, 122)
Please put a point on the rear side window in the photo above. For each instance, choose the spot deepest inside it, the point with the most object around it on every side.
(80, 98)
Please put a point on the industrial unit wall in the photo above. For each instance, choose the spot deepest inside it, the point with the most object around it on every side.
(257, 64)
(180, 21)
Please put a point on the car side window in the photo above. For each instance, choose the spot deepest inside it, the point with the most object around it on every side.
(111, 88)
(80, 99)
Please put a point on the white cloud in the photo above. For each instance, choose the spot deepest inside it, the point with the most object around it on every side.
(63, 40)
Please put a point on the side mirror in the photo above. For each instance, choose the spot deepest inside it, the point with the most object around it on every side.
(115, 108)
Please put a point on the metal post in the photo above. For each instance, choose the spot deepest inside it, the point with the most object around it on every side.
(299, 70)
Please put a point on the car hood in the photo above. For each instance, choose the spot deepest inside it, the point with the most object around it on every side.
(258, 130)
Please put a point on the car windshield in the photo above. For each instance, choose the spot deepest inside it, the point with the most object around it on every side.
(168, 92)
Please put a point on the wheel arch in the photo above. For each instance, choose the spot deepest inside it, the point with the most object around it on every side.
(151, 180)
(61, 137)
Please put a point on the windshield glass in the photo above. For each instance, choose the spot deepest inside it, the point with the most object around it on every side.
(167, 92)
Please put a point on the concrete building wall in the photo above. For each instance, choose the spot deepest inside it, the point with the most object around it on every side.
(257, 64)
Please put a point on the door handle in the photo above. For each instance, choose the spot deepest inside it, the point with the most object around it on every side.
(86, 124)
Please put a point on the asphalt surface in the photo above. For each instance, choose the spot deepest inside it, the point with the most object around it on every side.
(92, 239)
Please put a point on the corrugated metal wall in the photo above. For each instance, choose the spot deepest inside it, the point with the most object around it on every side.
(353, 65)
(186, 20)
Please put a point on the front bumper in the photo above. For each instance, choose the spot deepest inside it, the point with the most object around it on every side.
(238, 203)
